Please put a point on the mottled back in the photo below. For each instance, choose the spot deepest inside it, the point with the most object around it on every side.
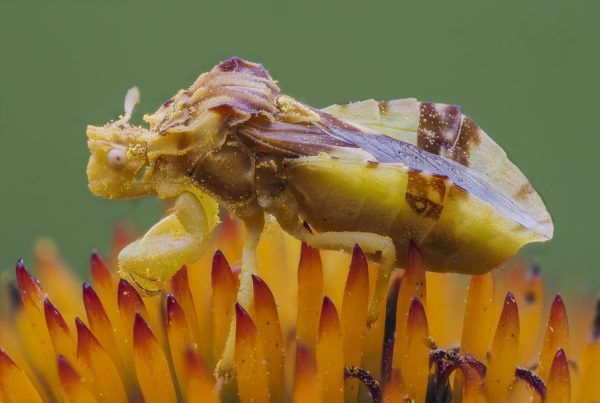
(236, 88)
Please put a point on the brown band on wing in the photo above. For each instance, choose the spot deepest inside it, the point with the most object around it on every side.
(468, 135)
(425, 193)
(438, 129)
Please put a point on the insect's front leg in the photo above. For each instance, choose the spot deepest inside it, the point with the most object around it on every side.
(177, 239)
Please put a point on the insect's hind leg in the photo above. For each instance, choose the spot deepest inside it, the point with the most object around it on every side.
(369, 243)
(285, 209)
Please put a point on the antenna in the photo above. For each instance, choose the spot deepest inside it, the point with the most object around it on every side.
(131, 99)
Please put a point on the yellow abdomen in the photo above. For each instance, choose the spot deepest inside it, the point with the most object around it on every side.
(455, 231)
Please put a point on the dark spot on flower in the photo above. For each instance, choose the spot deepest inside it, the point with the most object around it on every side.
(367, 379)
(532, 380)
(596, 326)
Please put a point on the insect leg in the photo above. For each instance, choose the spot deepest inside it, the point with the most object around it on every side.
(371, 244)
(254, 227)
(177, 239)
(285, 209)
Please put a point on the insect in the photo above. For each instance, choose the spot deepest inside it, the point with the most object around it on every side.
(380, 174)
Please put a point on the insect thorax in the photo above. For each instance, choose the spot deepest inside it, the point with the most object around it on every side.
(227, 173)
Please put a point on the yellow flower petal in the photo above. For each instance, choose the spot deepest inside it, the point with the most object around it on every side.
(74, 390)
(102, 376)
(559, 381)
(151, 365)
(181, 292)
(224, 297)
(310, 295)
(588, 389)
(479, 314)
(504, 353)
(330, 353)
(415, 353)
(306, 385)
(269, 330)
(63, 342)
(15, 386)
(411, 286)
(105, 284)
(180, 338)
(354, 316)
(107, 333)
(556, 336)
(200, 383)
(250, 364)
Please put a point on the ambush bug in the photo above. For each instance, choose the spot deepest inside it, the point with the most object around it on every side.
(380, 174)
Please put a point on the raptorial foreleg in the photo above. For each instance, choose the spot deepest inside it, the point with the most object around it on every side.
(177, 239)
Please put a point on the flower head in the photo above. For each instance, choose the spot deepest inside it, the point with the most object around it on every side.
(303, 336)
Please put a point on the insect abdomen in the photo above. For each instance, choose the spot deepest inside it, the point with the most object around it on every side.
(455, 231)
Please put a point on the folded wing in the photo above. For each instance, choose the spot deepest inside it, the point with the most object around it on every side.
(444, 131)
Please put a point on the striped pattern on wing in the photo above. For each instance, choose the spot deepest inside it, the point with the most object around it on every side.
(443, 130)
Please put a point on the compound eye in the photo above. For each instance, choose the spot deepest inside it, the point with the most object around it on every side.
(117, 158)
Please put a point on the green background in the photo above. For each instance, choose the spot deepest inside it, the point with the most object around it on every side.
(526, 71)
